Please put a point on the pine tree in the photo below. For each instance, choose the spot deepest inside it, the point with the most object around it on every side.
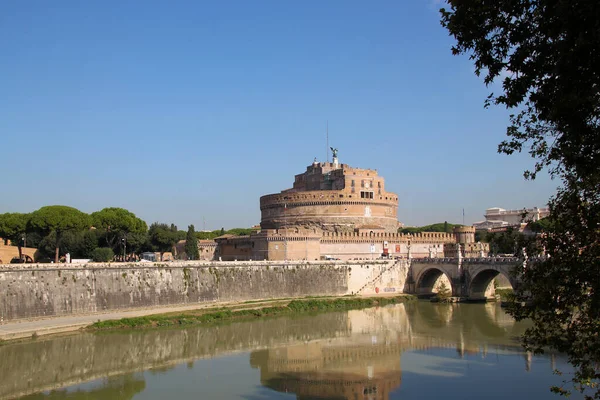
(191, 244)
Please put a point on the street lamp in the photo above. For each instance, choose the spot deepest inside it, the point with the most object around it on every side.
(124, 241)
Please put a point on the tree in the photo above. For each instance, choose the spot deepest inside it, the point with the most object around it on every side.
(103, 254)
(118, 224)
(437, 227)
(138, 242)
(162, 237)
(89, 244)
(58, 219)
(507, 242)
(191, 244)
(546, 54)
(13, 227)
(443, 294)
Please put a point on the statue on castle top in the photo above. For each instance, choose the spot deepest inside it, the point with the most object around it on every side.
(334, 151)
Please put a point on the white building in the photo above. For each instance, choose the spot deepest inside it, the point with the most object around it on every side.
(497, 217)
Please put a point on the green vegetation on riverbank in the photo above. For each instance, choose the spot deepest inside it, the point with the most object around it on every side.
(209, 316)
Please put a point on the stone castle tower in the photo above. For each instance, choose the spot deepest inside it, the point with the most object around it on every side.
(333, 197)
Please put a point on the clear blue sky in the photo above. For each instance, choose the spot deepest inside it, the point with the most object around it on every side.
(185, 110)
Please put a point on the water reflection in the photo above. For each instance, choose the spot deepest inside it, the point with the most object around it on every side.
(366, 363)
(349, 355)
(121, 388)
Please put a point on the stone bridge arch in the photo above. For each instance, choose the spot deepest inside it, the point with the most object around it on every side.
(428, 280)
(481, 276)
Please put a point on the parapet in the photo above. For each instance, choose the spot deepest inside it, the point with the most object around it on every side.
(464, 229)
(421, 237)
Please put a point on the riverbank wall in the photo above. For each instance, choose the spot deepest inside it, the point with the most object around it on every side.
(52, 290)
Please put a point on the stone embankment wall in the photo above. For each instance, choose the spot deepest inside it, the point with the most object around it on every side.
(46, 290)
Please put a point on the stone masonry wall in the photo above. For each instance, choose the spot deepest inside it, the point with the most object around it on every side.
(44, 290)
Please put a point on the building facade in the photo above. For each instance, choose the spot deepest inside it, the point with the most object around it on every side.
(497, 217)
(332, 197)
(337, 212)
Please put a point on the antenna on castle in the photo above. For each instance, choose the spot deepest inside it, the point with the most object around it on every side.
(327, 147)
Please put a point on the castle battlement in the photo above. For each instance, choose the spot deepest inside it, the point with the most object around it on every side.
(364, 237)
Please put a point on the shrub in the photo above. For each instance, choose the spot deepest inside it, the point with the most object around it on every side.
(103, 254)
(444, 294)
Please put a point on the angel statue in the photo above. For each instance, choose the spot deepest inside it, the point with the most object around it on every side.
(334, 151)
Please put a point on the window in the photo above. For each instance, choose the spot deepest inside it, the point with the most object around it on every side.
(362, 183)
(352, 183)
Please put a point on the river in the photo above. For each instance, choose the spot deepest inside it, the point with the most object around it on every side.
(414, 350)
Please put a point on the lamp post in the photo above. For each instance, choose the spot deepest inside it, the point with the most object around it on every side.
(124, 241)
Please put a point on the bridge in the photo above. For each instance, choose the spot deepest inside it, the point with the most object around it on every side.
(469, 278)
(466, 277)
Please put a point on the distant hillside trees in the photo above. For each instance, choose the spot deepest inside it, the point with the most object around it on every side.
(437, 227)
(216, 233)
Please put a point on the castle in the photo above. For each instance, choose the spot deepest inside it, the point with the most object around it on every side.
(334, 211)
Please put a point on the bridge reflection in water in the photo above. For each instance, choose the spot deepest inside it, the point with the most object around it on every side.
(345, 355)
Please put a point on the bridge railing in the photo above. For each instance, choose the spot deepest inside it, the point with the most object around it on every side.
(436, 260)
(478, 260)
(492, 260)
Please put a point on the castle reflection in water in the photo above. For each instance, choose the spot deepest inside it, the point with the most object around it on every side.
(366, 364)
(342, 355)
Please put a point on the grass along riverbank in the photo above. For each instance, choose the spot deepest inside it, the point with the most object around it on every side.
(222, 314)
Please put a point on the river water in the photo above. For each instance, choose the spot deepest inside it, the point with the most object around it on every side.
(416, 350)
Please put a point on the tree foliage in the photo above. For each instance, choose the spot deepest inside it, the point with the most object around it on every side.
(162, 236)
(437, 227)
(118, 224)
(547, 55)
(191, 244)
(13, 227)
(507, 242)
(103, 254)
(89, 243)
(58, 219)
(443, 294)
(213, 234)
